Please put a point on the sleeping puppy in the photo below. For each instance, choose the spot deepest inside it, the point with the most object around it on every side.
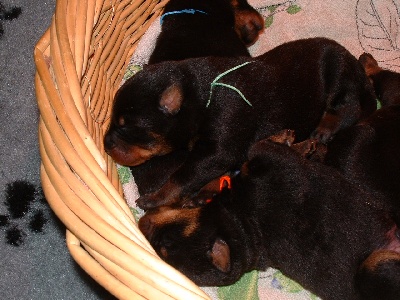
(196, 28)
(284, 211)
(365, 153)
(216, 27)
(218, 107)
(386, 83)
(368, 153)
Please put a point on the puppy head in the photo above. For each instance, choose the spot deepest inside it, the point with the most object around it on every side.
(145, 116)
(249, 24)
(200, 242)
(379, 275)
(247, 21)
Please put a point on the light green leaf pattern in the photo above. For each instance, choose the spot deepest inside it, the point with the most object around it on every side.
(268, 21)
(136, 214)
(293, 9)
(245, 289)
(378, 104)
(278, 8)
(131, 70)
(124, 174)
(272, 8)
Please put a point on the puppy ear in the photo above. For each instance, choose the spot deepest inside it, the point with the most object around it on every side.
(369, 63)
(171, 99)
(220, 255)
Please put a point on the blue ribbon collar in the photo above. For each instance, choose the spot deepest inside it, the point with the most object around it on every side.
(183, 11)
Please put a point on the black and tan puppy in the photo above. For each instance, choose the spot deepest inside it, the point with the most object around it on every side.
(368, 153)
(199, 28)
(218, 107)
(196, 28)
(386, 83)
(284, 211)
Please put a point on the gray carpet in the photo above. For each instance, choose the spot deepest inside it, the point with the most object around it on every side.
(34, 261)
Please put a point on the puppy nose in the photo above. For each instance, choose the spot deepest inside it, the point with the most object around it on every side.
(109, 142)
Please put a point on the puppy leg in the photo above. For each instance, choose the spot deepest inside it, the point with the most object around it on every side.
(328, 126)
(175, 192)
(207, 161)
(349, 94)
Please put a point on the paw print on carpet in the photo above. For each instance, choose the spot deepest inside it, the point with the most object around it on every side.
(26, 208)
(8, 14)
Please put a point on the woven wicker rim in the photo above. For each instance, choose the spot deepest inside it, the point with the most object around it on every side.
(80, 61)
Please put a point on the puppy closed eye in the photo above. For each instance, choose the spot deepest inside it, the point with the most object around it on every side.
(138, 123)
(164, 252)
(167, 240)
(121, 121)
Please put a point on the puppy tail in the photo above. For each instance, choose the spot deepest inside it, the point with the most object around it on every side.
(379, 276)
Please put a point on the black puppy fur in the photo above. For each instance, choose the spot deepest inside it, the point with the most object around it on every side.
(386, 83)
(290, 213)
(368, 153)
(152, 174)
(221, 28)
(226, 30)
(303, 85)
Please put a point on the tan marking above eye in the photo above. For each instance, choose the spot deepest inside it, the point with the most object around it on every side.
(188, 216)
(378, 257)
(164, 252)
(121, 121)
(234, 3)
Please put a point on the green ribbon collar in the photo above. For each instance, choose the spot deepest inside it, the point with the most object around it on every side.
(216, 83)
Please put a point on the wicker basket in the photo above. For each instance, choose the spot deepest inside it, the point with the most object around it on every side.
(80, 61)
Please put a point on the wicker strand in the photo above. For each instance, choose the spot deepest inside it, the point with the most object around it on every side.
(80, 61)
(93, 268)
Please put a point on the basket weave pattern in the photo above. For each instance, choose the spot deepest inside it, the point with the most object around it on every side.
(80, 61)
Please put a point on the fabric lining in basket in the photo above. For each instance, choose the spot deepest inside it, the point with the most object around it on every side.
(80, 62)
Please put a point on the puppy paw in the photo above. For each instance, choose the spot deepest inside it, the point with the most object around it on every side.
(168, 194)
(305, 148)
(154, 200)
(195, 202)
(285, 137)
(148, 201)
(311, 149)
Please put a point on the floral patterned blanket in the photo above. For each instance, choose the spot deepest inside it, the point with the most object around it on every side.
(371, 26)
